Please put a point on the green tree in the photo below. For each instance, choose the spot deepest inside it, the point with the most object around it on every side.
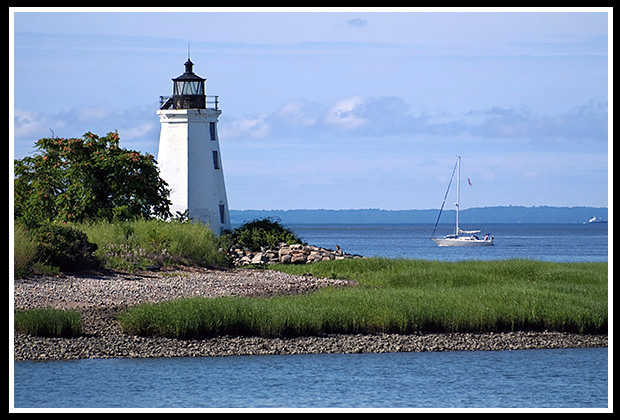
(88, 178)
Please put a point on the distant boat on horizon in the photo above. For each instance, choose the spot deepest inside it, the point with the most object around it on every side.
(460, 237)
(597, 220)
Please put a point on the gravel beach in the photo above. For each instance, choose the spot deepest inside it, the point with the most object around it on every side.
(99, 296)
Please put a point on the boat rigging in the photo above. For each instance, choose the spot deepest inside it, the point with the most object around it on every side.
(460, 237)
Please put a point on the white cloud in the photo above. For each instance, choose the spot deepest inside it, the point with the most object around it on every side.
(139, 126)
(28, 124)
(586, 122)
(391, 116)
(137, 131)
(298, 113)
(251, 127)
(345, 113)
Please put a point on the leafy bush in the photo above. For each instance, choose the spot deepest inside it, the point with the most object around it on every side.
(64, 247)
(49, 322)
(267, 232)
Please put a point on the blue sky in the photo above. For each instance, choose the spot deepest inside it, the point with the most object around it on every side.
(351, 109)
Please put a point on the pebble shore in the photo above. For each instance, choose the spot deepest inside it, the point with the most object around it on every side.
(99, 296)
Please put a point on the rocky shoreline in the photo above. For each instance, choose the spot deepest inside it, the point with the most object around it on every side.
(286, 254)
(99, 296)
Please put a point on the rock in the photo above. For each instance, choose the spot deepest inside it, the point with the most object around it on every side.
(245, 260)
(287, 254)
(298, 259)
(259, 259)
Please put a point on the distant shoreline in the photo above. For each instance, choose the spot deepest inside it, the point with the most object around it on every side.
(498, 214)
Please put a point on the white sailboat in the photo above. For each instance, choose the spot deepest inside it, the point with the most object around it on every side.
(460, 237)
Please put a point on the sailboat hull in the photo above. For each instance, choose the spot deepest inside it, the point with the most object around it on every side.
(462, 241)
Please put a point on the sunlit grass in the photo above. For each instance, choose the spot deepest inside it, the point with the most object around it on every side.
(131, 244)
(399, 296)
(46, 322)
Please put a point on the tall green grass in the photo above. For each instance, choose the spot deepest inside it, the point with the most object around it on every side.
(46, 322)
(24, 250)
(400, 296)
(131, 244)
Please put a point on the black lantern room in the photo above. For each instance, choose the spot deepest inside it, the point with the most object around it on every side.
(189, 89)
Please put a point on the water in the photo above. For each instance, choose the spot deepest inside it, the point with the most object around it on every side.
(565, 378)
(546, 242)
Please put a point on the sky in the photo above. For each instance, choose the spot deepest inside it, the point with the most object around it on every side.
(347, 109)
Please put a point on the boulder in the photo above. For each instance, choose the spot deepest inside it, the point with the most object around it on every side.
(299, 258)
(244, 260)
(259, 258)
(286, 254)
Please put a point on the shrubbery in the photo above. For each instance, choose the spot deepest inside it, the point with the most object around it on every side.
(139, 243)
(51, 247)
(128, 245)
(64, 247)
(75, 181)
(267, 232)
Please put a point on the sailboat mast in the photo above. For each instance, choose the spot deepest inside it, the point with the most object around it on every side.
(458, 193)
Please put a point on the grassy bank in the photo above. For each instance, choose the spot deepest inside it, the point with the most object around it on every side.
(400, 296)
(124, 245)
(139, 243)
(45, 322)
(134, 244)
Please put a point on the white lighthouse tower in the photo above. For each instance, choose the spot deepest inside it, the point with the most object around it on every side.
(189, 155)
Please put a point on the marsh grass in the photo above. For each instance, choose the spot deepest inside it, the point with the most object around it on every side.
(24, 250)
(47, 322)
(399, 296)
(132, 244)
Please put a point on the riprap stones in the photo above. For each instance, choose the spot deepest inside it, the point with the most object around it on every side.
(287, 254)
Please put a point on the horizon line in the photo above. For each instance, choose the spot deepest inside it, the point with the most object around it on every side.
(427, 209)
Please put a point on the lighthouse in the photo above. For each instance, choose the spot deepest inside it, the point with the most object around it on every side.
(189, 156)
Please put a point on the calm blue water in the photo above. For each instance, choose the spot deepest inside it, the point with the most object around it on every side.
(528, 378)
(506, 379)
(547, 242)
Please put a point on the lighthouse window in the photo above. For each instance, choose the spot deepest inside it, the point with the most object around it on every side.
(188, 88)
(212, 130)
(216, 160)
(222, 214)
